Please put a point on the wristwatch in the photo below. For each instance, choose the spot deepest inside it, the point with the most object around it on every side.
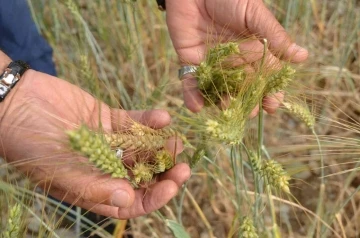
(11, 76)
(161, 5)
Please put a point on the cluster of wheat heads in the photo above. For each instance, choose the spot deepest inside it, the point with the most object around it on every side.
(106, 151)
(220, 79)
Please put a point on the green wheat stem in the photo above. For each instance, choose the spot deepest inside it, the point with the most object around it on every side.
(181, 202)
(261, 113)
(258, 189)
(236, 174)
(261, 145)
(265, 151)
(275, 229)
(260, 140)
(319, 208)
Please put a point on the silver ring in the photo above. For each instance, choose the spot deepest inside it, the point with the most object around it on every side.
(187, 69)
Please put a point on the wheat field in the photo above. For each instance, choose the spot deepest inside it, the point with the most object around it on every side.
(295, 173)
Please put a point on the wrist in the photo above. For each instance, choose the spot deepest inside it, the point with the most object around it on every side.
(4, 61)
(11, 73)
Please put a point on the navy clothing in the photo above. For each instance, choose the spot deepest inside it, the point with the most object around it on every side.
(20, 39)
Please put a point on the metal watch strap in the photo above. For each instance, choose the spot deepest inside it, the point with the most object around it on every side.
(161, 5)
(11, 76)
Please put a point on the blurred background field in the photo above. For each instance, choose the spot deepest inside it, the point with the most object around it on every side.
(126, 46)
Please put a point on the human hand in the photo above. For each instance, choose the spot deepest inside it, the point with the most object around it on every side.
(194, 23)
(35, 116)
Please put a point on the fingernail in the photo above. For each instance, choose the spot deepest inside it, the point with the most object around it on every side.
(298, 49)
(120, 198)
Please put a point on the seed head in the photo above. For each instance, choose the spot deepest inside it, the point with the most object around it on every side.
(247, 229)
(301, 112)
(14, 222)
(142, 172)
(163, 161)
(95, 147)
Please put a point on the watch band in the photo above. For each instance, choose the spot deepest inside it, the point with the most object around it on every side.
(11, 76)
(161, 5)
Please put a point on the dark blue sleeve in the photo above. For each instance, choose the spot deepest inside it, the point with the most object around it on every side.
(20, 39)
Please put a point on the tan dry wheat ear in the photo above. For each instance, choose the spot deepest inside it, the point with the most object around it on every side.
(142, 138)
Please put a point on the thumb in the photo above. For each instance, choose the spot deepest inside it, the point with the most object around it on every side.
(261, 21)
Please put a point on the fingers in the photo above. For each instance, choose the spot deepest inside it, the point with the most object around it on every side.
(110, 197)
(262, 22)
(174, 146)
(157, 195)
(121, 119)
(193, 98)
(271, 103)
(254, 112)
(179, 174)
(147, 200)
(95, 189)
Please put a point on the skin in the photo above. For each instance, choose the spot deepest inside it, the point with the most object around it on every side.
(35, 115)
(191, 21)
(38, 110)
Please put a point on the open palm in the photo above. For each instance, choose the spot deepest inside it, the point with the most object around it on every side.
(35, 116)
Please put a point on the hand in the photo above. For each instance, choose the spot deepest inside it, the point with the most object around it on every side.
(34, 117)
(193, 23)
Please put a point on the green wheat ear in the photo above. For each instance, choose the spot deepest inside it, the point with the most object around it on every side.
(142, 172)
(247, 228)
(301, 112)
(279, 80)
(163, 161)
(197, 156)
(14, 222)
(95, 147)
(216, 77)
(271, 171)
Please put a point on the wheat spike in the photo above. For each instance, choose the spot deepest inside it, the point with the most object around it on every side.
(142, 172)
(247, 228)
(271, 171)
(95, 147)
(14, 222)
(279, 80)
(301, 112)
(163, 161)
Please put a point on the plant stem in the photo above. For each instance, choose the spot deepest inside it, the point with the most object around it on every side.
(319, 208)
(199, 211)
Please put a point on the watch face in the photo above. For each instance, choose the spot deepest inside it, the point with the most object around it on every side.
(3, 91)
(8, 79)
